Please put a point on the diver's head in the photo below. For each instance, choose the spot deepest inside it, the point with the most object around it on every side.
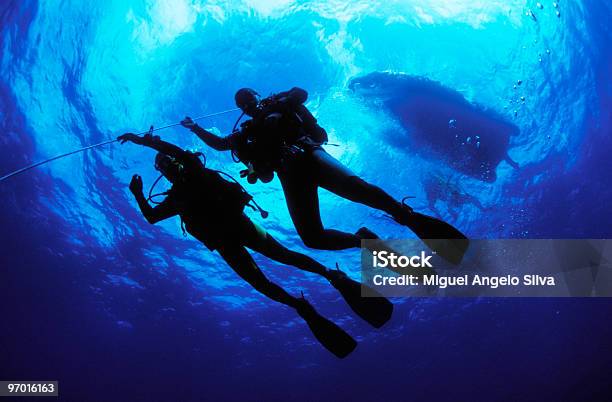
(169, 167)
(247, 100)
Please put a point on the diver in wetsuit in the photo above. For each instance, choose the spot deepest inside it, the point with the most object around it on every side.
(211, 209)
(282, 136)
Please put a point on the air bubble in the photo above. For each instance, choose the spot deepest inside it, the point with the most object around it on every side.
(530, 13)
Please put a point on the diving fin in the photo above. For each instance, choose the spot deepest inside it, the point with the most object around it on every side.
(376, 310)
(447, 241)
(331, 336)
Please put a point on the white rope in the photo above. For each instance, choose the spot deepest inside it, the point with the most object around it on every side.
(32, 166)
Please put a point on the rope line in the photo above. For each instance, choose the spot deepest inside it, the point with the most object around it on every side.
(32, 166)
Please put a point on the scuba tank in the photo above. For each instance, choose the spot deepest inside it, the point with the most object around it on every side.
(278, 135)
(298, 116)
(231, 195)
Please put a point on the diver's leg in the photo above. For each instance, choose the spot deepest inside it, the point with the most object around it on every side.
(332, 337)
(258, 240)
(303, 203)
(338, 179)
(376, 310)
(239, 259)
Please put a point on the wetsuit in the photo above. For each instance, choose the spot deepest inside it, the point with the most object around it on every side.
(211, 210)
(210, 207)
(285, 138)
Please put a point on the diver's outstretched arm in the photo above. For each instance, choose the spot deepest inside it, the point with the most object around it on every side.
(155, 143)
(210, 139)
(152, 215)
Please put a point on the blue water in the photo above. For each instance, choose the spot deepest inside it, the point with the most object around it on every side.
(116, 309)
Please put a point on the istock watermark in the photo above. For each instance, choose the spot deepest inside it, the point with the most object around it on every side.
(384, 259)
(491, 268)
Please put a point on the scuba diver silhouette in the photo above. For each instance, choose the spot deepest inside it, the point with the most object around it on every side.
(211, 210)
(446, 188)
(282, 136)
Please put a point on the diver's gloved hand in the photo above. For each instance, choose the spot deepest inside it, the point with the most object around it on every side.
(188, 123)
(130, 137)
(136, 139)
(136, 185)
